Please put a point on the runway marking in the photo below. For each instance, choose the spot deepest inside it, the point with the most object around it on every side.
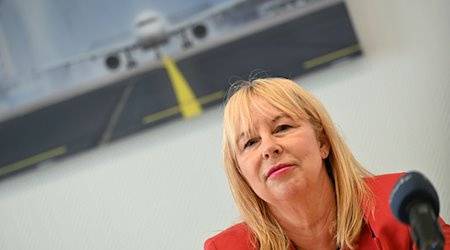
(116, 114)
(32, 160)
(331, 56)
(187, 101)
(176, 110)
(211, 97)
(161, 115)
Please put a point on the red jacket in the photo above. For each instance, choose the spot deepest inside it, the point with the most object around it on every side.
(381, 231)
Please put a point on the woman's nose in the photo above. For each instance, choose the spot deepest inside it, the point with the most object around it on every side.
(271, 149)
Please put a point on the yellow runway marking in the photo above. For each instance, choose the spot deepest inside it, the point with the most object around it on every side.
(161, 115)
(211, 97)
(32, 160)
(331, 56)
(176, 110)
(187, 101)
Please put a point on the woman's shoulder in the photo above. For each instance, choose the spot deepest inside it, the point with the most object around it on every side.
(381, 187)
(385, 228)
(236, 237)
(382, 184)
(390, 177)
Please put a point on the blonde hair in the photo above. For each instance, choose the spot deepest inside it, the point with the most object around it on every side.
(346, 173)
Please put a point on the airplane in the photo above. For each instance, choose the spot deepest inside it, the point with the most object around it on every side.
(151, 30)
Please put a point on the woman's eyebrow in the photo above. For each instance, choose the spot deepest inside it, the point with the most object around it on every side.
(278, 117)
(274, 120)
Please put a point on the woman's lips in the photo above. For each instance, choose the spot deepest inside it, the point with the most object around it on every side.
(278, 170)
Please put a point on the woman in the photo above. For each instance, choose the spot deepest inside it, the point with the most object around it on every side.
(295, 181)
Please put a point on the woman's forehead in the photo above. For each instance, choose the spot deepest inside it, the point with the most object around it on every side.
(248, 112)
(259, 106)
(257, 118)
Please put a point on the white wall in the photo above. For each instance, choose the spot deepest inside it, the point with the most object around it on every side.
(165, 188)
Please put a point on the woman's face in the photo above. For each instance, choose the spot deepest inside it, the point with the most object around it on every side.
(282, 156)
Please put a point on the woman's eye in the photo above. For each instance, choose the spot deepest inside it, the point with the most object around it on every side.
(249, 143)
(282, 128)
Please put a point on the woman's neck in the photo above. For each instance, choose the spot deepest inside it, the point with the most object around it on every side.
(310, 220)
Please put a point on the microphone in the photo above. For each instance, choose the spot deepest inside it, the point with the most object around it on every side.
(415, 202)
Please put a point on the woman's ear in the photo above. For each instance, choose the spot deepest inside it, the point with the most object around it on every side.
(324, 145)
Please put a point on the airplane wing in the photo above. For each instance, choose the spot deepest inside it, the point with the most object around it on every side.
(109, 54)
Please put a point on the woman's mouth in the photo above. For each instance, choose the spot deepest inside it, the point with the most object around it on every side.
(278, 170)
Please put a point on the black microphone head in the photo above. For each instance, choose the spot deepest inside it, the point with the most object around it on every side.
(410, 188)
